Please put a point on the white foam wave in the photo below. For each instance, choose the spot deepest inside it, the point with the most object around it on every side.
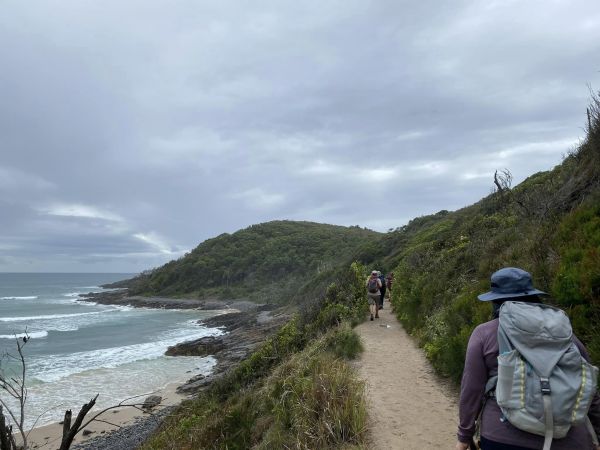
(34, 335)
(124, 308)
(46, 317)
(56, 367)
(29, 297)
(82, 302)
(72, 294)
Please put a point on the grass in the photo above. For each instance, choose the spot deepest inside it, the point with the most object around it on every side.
(296, 391)
(312, 400)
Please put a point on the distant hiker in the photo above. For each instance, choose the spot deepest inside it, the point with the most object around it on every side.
(382, 290)
(389, 279)
(373, 293)
(544, 369)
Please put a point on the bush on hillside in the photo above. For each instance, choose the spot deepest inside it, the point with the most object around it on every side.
(271, 262)
(549, 225)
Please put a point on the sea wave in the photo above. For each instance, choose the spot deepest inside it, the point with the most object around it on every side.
(28, 297)
(52, 368)
(48, 316)
(33, 335)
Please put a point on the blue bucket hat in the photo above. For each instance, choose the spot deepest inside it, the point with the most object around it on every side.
(508, 283)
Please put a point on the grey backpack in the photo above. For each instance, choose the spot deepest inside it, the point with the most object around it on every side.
(544, 385)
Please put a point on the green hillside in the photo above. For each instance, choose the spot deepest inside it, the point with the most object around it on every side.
(268, 261)
(297, 389)
(549, 225)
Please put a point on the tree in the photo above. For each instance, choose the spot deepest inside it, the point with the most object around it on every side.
(503, 180)
(14, 385)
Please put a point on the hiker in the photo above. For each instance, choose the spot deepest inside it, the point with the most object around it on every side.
(373, 293)
(389, 279)
(513, 291)
(382, 290)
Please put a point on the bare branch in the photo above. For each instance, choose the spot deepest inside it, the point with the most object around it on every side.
(69, 431)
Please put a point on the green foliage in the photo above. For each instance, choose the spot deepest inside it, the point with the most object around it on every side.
(343, 342)
(548, 225)
(309, 400)
(318, 402)
(294, 391)
(266, 262)
(577, 282)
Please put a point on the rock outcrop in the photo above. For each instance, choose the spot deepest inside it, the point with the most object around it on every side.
(244, 333)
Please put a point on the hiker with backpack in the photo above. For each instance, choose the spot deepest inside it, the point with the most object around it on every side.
(527, 381)
(373, 293)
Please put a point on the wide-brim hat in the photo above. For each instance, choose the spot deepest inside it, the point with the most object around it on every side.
(510, 282)
(374, 272)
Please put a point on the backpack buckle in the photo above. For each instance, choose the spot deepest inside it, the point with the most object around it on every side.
(545, 385)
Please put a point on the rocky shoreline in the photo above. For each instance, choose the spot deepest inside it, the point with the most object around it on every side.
(245, 324)
(120, 297)
(244, 332)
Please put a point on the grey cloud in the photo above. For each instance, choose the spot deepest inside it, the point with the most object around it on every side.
(176, 122)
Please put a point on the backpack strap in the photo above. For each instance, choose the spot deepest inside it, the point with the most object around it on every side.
(591, 430)
(548, 415)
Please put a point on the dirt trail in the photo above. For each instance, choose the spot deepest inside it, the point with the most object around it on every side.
(410, 408)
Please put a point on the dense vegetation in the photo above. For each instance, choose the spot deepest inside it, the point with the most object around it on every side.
(296, 391)
(548, 225)
(268, 262)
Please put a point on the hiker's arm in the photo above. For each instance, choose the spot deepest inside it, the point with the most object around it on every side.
(472, 388)
(594, 411)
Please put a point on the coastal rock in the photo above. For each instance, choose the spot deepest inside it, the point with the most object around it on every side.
(121, 297)
(152, 401)
(197, 383)
(86, 432)
(244, 333)
(204, 346)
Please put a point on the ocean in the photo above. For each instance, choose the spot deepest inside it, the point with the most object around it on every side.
(79, 349)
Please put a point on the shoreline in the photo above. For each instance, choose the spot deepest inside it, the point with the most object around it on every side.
(121, 298)
(245, 324)
(49, 436)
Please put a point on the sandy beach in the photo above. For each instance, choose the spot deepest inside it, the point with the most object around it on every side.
(49, 436)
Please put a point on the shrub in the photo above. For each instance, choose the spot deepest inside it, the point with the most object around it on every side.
(344, 342)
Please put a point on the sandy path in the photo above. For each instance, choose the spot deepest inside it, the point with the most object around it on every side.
(409, 407)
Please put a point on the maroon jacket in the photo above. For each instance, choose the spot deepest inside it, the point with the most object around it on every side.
(481, 363)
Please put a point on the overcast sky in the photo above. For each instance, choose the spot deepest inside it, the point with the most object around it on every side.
(131, 131)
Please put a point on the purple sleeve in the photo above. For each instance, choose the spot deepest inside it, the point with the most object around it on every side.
(594, 412)
(472, 387)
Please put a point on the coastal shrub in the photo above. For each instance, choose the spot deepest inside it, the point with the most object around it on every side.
(274, 262)
(317, 401)
(549, 225)
(240, 410)
(344, 342)
(310, 399)
(286, 341)
(577, 282)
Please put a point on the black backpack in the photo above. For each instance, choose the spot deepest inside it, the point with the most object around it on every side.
(373, 286)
